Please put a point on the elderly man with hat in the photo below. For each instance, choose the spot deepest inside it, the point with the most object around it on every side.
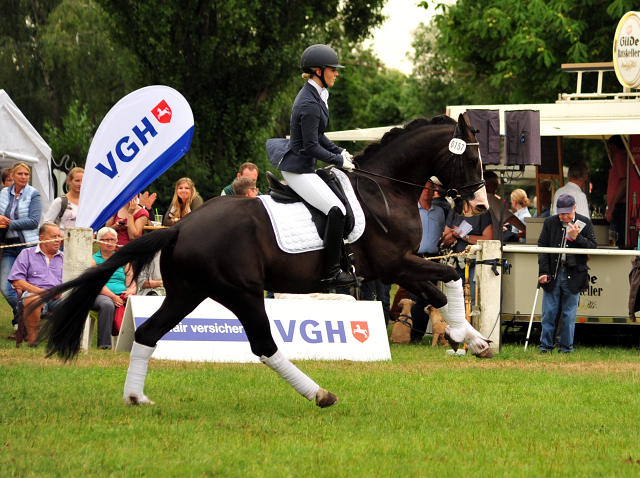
(563, 276)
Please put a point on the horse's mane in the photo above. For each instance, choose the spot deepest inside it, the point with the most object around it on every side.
(397, 132)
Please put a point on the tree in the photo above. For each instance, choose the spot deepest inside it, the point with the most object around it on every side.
(56, 54)
(518, 47)
(232, 60)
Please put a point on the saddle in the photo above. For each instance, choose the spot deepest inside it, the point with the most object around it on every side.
(282, 193)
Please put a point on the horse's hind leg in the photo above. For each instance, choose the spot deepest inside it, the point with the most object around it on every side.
(251, 312)
(169, 314)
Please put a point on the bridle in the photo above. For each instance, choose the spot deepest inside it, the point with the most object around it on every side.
(453, 193)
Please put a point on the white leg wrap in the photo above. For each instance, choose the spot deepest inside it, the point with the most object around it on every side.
(292, 375)
(453, 313)
(134, 384)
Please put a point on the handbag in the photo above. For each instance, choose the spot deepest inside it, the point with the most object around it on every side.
(117, 318)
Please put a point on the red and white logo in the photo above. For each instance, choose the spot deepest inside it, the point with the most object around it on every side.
(360, 331)
(162, 112)
(629, 29)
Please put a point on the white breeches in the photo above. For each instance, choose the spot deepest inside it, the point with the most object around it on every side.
(314, 190)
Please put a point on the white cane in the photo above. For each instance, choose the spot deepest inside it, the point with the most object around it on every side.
(535, 301)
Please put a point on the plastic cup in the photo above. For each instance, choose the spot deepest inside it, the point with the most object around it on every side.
(158, 220)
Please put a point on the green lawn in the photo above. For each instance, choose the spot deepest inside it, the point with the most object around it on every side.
(423, 414)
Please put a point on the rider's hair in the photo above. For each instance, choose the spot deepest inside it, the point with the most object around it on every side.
(306, 76)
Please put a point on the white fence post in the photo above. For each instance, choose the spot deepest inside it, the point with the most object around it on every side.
(489, 291)
(78, 248)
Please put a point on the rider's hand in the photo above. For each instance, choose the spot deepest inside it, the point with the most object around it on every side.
(347, 165)
(347, 155)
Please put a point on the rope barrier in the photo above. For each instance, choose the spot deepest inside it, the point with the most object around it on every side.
(54, 240)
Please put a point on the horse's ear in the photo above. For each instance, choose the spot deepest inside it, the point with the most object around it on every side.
(463, 123)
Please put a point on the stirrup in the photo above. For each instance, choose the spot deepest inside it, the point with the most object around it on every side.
(341, 279)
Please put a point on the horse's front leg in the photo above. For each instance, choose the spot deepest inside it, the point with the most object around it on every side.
(452, 309)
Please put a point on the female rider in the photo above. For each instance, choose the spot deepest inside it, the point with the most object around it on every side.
(307, 144)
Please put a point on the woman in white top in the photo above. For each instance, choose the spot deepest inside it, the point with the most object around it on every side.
(520, 204)
(67, 217)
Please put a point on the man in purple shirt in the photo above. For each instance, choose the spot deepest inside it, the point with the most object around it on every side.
(37, 269)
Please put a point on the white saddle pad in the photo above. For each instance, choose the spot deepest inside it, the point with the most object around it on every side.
(294, 228)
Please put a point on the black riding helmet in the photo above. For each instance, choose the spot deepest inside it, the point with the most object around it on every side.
(319, 56)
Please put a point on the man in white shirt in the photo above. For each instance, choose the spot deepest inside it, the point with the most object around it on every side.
(578, 174)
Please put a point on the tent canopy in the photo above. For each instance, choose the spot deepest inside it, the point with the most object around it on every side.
(590, 119)
(19, 141)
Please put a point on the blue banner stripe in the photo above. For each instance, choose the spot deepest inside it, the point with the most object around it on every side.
(203, 330)
(146, 177)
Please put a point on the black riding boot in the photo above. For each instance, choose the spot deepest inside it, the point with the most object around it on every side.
(335, 276)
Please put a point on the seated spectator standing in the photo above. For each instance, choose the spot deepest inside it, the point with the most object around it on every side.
(432, 219)
(481, 230)
(7, 179)
(247, 170)
(20, 210)
(245, 187)
(185, 199)
(37, 269)
(150, 280)
(64, 209)
(115, 292)
(129, 222)
(578, 174)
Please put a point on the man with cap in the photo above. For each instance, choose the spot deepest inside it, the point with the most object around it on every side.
(563, 276)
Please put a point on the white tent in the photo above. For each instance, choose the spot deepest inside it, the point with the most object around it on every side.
(19, 141)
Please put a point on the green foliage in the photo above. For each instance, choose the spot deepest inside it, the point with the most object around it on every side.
(75, 135)
(231, 60)
(518, 47)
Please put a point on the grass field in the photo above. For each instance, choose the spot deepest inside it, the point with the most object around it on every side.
(423, 414)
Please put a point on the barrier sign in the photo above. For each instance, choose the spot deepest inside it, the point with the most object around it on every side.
(323, 330)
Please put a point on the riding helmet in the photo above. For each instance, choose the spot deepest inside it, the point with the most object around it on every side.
(319, 56)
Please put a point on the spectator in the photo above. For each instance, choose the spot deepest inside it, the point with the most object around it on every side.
(64, 209)
(37, 269)
(7, 179)
(617, 188)
(146, 200)
(520, 203)
(185, 199)
(245, 187)
(544, 201)
(438, 198)
(563, 276)
(247, 170)
(20, 211)
(129, 221)
(498, 209)
(115, 292)
(577, 175)
(150, 280)
(481, 230)
(432, 219)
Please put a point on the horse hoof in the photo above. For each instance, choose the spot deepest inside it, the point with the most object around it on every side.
(454, 345)
(485, 354)
(133, 401)
(325, 398)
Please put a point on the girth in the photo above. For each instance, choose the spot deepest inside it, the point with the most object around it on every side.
(282, 193)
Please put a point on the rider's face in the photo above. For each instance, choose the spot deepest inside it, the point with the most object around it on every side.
(330, 75)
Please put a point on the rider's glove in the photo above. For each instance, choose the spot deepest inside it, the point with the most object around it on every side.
(347, 165)
(347, 155)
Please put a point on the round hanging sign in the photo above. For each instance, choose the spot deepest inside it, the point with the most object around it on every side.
(626, 50)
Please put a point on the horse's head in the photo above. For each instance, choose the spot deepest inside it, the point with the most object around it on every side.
(461, 171)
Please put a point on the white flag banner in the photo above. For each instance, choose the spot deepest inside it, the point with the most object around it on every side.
(139, 139)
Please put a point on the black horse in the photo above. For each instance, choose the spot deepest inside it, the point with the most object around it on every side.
(227, 250)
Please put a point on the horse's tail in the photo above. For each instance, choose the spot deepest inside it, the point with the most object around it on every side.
(65, 323)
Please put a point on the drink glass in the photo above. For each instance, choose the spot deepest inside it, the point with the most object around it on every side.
(613, 237)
